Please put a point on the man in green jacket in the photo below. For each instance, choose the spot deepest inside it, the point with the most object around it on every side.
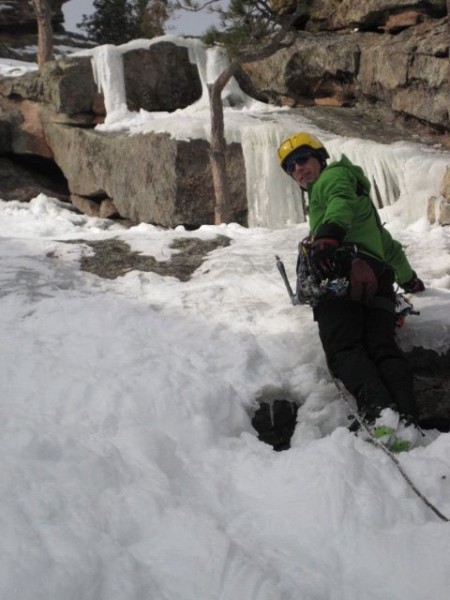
(347, 240)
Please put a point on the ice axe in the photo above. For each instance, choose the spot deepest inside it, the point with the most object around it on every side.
(282, 270)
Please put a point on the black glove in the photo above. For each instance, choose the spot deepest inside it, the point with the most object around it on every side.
(414, 285)
(323, 258)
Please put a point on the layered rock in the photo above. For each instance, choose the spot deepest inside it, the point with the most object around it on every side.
(371, 15)
(409, 73)
(150, 177)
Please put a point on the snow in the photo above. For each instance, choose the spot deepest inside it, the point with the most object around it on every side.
(130, 468)
(10, 67)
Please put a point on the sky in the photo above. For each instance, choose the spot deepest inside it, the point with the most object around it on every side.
(182, 23)
(130, 467)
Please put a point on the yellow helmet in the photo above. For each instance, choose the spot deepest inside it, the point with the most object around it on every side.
(301, 140)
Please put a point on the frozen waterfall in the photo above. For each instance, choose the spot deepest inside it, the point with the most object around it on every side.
(398, 172)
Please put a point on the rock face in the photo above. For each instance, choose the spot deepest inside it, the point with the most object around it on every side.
(432, 387)
(68, 86)
(371, 15)
(409, 73)
(160, 78)
(150, 178)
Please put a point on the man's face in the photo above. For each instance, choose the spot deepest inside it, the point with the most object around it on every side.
(306, 172)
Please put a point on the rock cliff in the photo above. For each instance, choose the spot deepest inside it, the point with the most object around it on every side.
(382, 53)
(348, 69)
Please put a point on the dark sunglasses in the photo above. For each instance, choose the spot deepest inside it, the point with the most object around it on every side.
(291, 163)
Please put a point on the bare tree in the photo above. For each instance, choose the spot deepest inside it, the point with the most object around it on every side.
(252, 30)
(45, 31)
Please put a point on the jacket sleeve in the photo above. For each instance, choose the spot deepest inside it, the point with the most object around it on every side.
(396, 257)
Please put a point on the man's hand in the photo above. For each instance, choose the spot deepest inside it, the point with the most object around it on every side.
(414, 285)
(323, 258)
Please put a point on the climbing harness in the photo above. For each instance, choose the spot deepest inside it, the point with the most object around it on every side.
(309, 291)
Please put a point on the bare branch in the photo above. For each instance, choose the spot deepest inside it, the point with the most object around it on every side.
(190, 6)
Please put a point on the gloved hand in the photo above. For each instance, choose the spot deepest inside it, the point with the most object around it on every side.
(414, 285)
(323, 258)
(363, 281)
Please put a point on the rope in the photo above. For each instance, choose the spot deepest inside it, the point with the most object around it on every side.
(345, 395)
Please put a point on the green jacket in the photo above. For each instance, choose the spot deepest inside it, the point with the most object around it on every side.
(341, 196)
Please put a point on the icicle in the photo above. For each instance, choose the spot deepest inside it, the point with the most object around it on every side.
(273, 199)
(107, 66)
(217, 61)
(211, 62)
(378, 162)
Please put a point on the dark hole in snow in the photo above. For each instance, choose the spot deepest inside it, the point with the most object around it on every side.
(275, 423)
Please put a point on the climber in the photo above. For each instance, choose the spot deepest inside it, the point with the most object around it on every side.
(347, 239)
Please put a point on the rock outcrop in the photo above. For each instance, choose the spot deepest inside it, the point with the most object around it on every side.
(381, 57)
(150, 177)
(159, 78)
(408, 73)
(371, 15)
(155, 178)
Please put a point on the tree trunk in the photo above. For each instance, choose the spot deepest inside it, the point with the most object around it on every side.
(219, 146)
(222, 211)
(45, 32)
(217, 156)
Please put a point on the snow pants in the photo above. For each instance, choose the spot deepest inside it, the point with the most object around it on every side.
(361, 351)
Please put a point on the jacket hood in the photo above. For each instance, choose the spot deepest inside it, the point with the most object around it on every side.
(357, 172)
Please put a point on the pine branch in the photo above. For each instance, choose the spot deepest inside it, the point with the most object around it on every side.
(346, 396)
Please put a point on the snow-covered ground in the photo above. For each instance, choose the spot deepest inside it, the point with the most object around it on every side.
(130, 468)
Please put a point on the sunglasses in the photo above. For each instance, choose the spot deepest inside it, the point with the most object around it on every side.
(291, 163)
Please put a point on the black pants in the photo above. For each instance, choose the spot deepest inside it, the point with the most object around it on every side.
(361, 351)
